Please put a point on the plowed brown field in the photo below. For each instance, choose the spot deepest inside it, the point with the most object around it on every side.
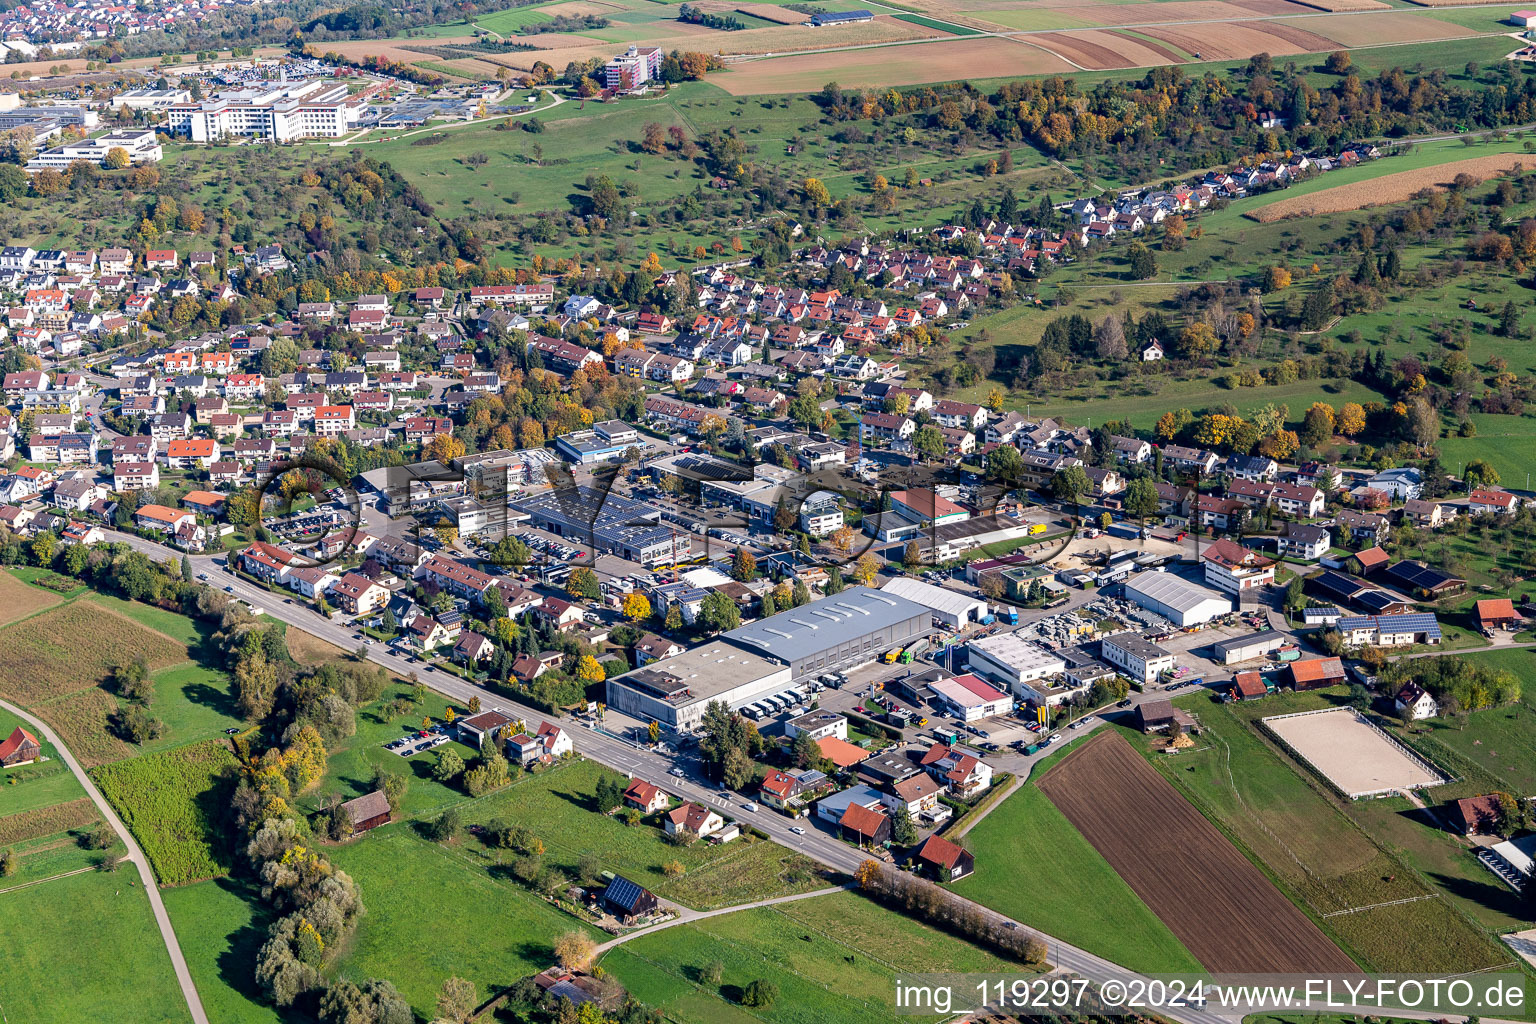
(1346, 5)
(1219, 905)
(1240, 40)
(1389, 188)
(1402, 27)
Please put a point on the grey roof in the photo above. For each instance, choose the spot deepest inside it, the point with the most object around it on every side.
(802, 632)
(1173, 591)
(1243, 643)
(1137, 645)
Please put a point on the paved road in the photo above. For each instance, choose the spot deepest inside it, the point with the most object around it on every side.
(162, 919)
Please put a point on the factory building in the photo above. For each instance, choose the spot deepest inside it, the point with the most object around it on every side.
(1176, 599)
(676, 690)
(850, 628)
(950, 607)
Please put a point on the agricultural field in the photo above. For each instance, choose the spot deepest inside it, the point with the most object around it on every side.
(1310, 842)
(172, 801)
(559, 807)
(100, 940)
(38, 822)
(41, 784)
(47, 857)
(73, 647)
(834, 959)
(20, 599)
(1073, 893)
(1387, 189)
(1497, 745)
(1220, 906)
(432, 914)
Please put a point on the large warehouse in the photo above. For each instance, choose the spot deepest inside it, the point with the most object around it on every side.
(855, 626)
(607, 522)
(1013, 661)
(950, 607)
(1175, 598)
(675, 691)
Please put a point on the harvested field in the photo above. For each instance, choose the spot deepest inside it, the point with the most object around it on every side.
(1210, 896)
(45, 821)
(19, 599)
(74, 647)
(1452, 3)
(80, 719)
(1389, 188)
(1098, 50)
(1173, 10)
(1351, 753)
(771, 12)
(1221, 42)
(1347, 5)
(1402, 27)
(947, 60)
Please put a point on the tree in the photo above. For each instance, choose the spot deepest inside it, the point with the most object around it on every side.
(759, 994)
(449, 766)
(8, 863)
(1351, 419)
(929, 441)
(1318, 425)
(393, 784)
(718, 612)
(589, 670)
(743, 566)
(783, 517)
(866, 568)
(1070, 483)
(574, 950)
(912, 555)
(1141, 498)
(805, 751)
(816, 193)
(582, 583)
(903, 829)
(457, 1000)
(1109, 339)
(1338, 62)
(636, 606)
(1479, 473)
(444, 827)
(1141, 263)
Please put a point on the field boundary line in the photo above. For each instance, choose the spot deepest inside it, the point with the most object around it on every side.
(1389, 903)
(50, 878)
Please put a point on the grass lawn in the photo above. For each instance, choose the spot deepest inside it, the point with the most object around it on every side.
(91, 952)
(349, 772)
(195, 702)
(221, 925)
(48, 856)
(834, 959)
(558, 806)
(432, 914)
(1034, 866)
(35, 785)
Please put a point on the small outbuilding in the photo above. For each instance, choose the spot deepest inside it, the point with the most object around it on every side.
(368, 811)
(945, 860)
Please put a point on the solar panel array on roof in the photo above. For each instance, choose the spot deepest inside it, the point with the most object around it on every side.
(1378, 600)
(621, 892)
(1422, 577)
(1413, 622)
(1340, 583)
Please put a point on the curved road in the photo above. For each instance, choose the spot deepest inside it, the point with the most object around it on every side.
(162, 919)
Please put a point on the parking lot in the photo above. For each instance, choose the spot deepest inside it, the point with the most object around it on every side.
(419, 741)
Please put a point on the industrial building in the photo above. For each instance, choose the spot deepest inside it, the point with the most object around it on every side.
(850, 628)
(607, 522)
(1014, 662)
(1137, 657)
(969, 699)
(950, 607)
(1246, 648)
(675, 691)
(604, 442)
(1176, 599)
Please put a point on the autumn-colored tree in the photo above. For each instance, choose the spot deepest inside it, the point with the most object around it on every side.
(1351, 419)
(816, 193)
(116, 159)
(1277, 279)
(574, 950)
(636, 606)
(866, 873)
(444, 448)
(866, 568)
(589, 669)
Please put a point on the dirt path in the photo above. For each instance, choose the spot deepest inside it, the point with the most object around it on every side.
(685, 916)
(162, 919)
(50, 878)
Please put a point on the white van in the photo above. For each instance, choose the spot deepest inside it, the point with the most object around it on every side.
(750, 805)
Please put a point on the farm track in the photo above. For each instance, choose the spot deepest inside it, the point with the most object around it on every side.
(1224, 910)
